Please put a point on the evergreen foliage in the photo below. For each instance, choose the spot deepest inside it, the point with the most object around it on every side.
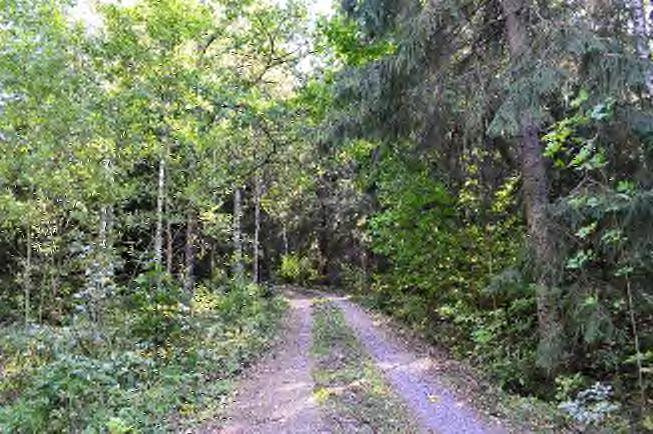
(429, 106)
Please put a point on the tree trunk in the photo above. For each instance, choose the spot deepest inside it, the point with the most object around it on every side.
(257, 228)
(160, 200)
(284, 236)
(99, 270)
(189, 253)
(323, 232)
(169, 241)
(103, 232)
(638, 352)
(27, 278)
(106, 227)
(640, 30)
(238, 269)
(106, 270)
(535, 193)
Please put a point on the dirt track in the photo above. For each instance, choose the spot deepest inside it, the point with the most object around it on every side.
(277, 394)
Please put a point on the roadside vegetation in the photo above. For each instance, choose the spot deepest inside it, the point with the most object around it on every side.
(348, 384)
(157, 364)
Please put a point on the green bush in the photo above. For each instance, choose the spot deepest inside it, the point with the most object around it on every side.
(159, 311)
(354, 278)
(297, 269)
(123, 375)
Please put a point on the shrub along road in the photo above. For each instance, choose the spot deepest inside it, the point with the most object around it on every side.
(359, 377)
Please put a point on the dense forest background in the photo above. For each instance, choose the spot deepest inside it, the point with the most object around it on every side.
(479, 169)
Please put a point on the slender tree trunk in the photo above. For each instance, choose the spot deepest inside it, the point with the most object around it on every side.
(641, 33)
(160, 201)
(284, 236)
(104, 241)
(638, 351)
(257, 228)
(27, 279)
(535, 193)
(238, 269)
(100, 268)
(189, 253)
(323, 235)
(323, 243)
(104, 227)
(169, 241)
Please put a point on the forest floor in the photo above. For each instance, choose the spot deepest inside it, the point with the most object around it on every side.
(339, 368)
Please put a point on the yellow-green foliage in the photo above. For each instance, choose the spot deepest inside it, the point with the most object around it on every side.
(299, 269)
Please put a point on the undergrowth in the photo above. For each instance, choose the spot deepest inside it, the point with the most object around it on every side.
(158, 360)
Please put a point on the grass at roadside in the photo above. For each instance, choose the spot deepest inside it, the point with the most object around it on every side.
(347, 383)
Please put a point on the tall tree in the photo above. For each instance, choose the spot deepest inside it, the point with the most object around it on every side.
(642, 41)
(535, 188)
(238, 266)
(256, 247)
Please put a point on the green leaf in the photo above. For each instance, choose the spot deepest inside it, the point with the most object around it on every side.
(579, 260)
(586, 231)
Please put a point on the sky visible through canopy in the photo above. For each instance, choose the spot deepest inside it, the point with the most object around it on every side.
(84, 10)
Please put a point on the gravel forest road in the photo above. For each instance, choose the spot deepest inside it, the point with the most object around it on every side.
(276, 395)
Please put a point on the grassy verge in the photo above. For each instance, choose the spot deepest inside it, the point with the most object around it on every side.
(157, 362)
(348, 385)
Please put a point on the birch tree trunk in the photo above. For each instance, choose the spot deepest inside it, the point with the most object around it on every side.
(104, 238)
(238, 269)
(257, 228)
(106, 225)
(640, 30)
(535, 194)
(160, 201)
(103, 232)
(101, 269)
(27, 278)
(284, 236)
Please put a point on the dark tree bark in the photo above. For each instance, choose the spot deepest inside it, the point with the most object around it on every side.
(257, 229)
(189, 252)
(169, 242)
(535, 194)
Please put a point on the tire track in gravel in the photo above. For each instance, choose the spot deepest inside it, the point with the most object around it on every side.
(412, 376)
(277, 395)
